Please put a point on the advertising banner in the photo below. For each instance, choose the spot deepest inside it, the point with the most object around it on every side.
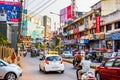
(11, 10)
(69, 12)
(65, 14)
(97, 24)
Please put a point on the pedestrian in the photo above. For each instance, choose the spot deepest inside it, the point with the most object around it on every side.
(13, 57)
(85, 67)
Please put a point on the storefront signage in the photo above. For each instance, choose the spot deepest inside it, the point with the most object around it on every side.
(102, 36)
(96, 36)
(108, 37)
(84, 41)
(97, 24)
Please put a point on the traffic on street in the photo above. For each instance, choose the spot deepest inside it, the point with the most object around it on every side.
(59, 39)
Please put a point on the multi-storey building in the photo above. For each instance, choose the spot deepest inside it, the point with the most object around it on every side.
(83, 32)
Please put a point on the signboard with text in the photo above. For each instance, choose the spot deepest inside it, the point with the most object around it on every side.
(11, 10)
(97, 24)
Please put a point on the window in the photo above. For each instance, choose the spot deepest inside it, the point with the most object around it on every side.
(108, 27)
(117, 63)
(54, 58)
(2, 64)
(92, 31)
(102, 29)
(90, 17)
(109, 63)
(117, 25)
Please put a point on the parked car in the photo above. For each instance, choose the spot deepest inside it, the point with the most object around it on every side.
(115, 54)
(109, 55)
(97, 56)
(9, 71)
(109, 70)
(51, 62)
(66, 54)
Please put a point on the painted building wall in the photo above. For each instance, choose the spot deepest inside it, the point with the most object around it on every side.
(107, 10)
(47, 24)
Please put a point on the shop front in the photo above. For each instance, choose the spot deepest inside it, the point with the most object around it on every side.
(83, 44)
(113, 41)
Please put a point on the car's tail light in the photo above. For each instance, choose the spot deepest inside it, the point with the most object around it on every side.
(61, 61)
(46, 61)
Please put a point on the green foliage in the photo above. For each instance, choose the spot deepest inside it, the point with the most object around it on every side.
(3, 39)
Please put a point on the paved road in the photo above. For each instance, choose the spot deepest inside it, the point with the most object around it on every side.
(31, 71)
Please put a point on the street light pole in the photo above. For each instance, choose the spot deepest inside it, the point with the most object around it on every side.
(57, 15)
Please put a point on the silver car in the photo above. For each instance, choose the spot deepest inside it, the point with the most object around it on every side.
(9, 71)
(66, 54)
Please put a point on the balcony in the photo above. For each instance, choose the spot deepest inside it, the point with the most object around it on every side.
(111, 17)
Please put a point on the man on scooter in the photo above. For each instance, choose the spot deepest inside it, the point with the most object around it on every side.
(77, 59)
(85, 63)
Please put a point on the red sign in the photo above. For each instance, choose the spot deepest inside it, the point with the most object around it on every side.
(65, 14)
(69, 12)
(97, 24)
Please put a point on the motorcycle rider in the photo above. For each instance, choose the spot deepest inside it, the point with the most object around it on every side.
(85, 63)
(77, 58)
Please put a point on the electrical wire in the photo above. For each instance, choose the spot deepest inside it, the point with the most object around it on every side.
(39, 7)
(45, 7)
(33, 7)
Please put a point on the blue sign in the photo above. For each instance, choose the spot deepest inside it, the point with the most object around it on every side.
(112, 36)
(11, 10)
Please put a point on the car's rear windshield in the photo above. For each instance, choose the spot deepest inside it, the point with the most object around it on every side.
(54, 58)
(66, 52)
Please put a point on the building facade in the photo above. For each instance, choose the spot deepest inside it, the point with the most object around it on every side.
(88, 34)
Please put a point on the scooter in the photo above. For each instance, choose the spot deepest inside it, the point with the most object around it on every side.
(88, 76)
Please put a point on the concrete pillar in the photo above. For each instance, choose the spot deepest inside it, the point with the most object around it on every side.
(113, 45)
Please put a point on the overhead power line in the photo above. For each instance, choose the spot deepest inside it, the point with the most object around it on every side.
(45, 7)
(38, 6)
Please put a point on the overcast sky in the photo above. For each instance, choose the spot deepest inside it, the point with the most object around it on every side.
(55, 6)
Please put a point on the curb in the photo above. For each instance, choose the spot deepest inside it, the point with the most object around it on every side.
(68, 61)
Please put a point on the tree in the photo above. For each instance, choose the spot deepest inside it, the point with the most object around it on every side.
(56, 41)
(3, 39)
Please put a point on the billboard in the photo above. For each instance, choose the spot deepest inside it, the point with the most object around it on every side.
(66, 14)
(11, 10)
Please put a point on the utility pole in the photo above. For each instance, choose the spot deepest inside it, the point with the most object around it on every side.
(73, 9)
(19, 24)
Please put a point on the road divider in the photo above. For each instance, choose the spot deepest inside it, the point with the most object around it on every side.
(69, 61)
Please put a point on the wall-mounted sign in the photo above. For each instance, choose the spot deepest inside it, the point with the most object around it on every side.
(102, 36)
(97, 24)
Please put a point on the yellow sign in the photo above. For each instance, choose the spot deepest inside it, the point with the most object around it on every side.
(102, 36)
(18, 44)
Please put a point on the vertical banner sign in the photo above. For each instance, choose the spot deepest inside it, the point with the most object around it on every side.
(97, 24)
(69, 12)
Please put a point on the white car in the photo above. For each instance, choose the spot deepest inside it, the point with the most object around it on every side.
(66, 54)
(9, 71)
(51, 62)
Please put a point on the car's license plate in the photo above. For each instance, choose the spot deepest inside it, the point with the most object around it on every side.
(54, 67)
